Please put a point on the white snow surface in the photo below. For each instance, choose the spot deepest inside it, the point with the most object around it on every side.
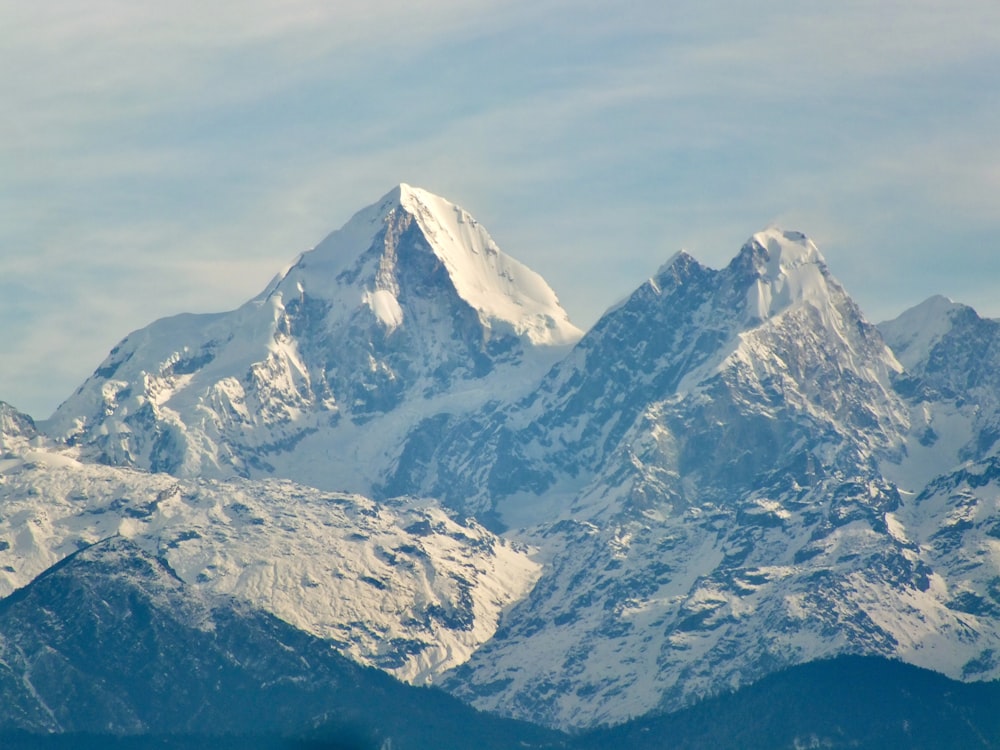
(656, 593)
(951, 363)
(278, 386)
(499, 287)
(792, 272)
(642, 591)
(386, 308)
(666, 617)
(913, 334)
(399, 584)
(504, 291)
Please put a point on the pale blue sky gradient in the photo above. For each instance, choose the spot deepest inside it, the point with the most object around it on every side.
(170, 159)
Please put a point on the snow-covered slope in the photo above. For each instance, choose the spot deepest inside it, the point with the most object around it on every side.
(733, 472)
(111, 642)
(15, 428)
(951, 385)
(703, 477)
(700, 362)
(398, 585)
(410, 310)
(915, 333)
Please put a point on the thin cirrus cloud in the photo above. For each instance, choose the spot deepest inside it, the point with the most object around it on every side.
(172, 158)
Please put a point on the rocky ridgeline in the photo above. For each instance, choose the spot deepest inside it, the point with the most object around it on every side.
(732, 473)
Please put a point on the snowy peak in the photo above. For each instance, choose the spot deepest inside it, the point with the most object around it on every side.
(410, 308)
(680, 358)
(913, 334)
(680, 266)
(785, 250)
(951, 357)
(730, 473)
(15, 424)
(371, 250)
(500, 288)
(789, 269)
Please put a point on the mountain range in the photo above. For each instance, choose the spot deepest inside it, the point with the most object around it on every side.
(402, 451)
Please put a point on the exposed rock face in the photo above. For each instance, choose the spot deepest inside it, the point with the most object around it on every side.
(15, 428)
(718, 377)
(711, 475)
(112, 644)
(732, 473)
(408, 311)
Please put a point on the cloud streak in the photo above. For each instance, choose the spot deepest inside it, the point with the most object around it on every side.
(170, 159)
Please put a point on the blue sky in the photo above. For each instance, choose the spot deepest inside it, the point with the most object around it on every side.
(156, 160)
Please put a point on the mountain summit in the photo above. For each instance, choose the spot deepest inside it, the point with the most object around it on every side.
(732, 473)
(411, 229)
(692, 365)
(410, 303)
(789, 269)
(704, 473)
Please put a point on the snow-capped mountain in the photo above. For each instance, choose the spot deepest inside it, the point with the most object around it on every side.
(718, 376)
(951, 385)
(703, 476)
(409, 310)
(733, 472)
(15, 427)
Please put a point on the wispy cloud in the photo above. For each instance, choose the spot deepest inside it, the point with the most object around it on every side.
(169, 158)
